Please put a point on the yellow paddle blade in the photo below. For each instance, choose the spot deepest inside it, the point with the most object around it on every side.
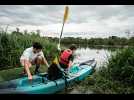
(66, 13)
(55, 60)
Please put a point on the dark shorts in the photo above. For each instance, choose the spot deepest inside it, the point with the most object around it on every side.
(63, 65)
(54, 72)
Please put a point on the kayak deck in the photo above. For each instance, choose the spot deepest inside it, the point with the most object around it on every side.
(41, 85)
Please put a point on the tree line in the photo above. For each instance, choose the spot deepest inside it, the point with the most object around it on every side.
(112, 41)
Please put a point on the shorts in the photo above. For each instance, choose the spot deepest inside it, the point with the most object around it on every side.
(32, 62)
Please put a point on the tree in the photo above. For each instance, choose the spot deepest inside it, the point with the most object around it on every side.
(17, 30)
(38, 32)
(25, 31)
(128, 33)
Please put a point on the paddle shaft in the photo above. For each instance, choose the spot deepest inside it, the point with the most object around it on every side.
(61, 32)
(64, 20)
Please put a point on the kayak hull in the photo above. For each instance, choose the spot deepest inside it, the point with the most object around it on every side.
(40, 84)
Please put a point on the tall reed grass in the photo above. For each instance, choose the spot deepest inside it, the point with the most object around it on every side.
(13, 45)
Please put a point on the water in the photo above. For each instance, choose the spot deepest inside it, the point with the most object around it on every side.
(83, 54)
(100, 55)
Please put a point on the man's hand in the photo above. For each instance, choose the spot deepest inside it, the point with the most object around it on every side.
(30, 77)
(47, 65)
(58, 46)
(70, 64)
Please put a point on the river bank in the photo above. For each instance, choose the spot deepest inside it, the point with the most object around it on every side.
(116, 77)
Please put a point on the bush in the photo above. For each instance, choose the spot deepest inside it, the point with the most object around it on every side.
(121, 66)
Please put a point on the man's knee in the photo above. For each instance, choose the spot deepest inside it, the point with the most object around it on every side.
(25, 63)
(39, 59)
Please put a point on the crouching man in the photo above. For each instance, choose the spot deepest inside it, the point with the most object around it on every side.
(33, 56)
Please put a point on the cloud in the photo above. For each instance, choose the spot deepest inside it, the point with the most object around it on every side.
(31, 15)
(82, 18)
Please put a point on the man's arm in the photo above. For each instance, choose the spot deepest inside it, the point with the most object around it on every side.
(26, 66)
(45, 61)
(70, 61)
(27, 63)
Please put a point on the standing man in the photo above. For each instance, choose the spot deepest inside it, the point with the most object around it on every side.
(33, 56)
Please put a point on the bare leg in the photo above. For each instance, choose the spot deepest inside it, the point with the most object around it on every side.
(24, 71)
(37, 69)
(38, 62)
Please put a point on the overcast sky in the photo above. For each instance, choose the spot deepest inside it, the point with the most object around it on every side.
(103, 20)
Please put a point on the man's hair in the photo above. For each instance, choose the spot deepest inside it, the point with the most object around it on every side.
(37, 45)
(73, 47)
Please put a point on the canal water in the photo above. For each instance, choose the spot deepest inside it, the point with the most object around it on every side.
(100, 55)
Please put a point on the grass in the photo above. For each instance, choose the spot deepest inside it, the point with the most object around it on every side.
(14, 73)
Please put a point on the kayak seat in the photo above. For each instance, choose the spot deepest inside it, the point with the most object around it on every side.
(74, 69)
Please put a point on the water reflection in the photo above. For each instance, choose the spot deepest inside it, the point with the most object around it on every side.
(84, 54)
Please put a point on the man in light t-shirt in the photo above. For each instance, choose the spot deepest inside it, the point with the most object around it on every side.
(33, 56)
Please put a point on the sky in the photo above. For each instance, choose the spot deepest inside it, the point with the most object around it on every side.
(83, 20)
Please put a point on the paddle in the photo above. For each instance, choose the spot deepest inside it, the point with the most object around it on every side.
(58, 46)
(64, 20)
